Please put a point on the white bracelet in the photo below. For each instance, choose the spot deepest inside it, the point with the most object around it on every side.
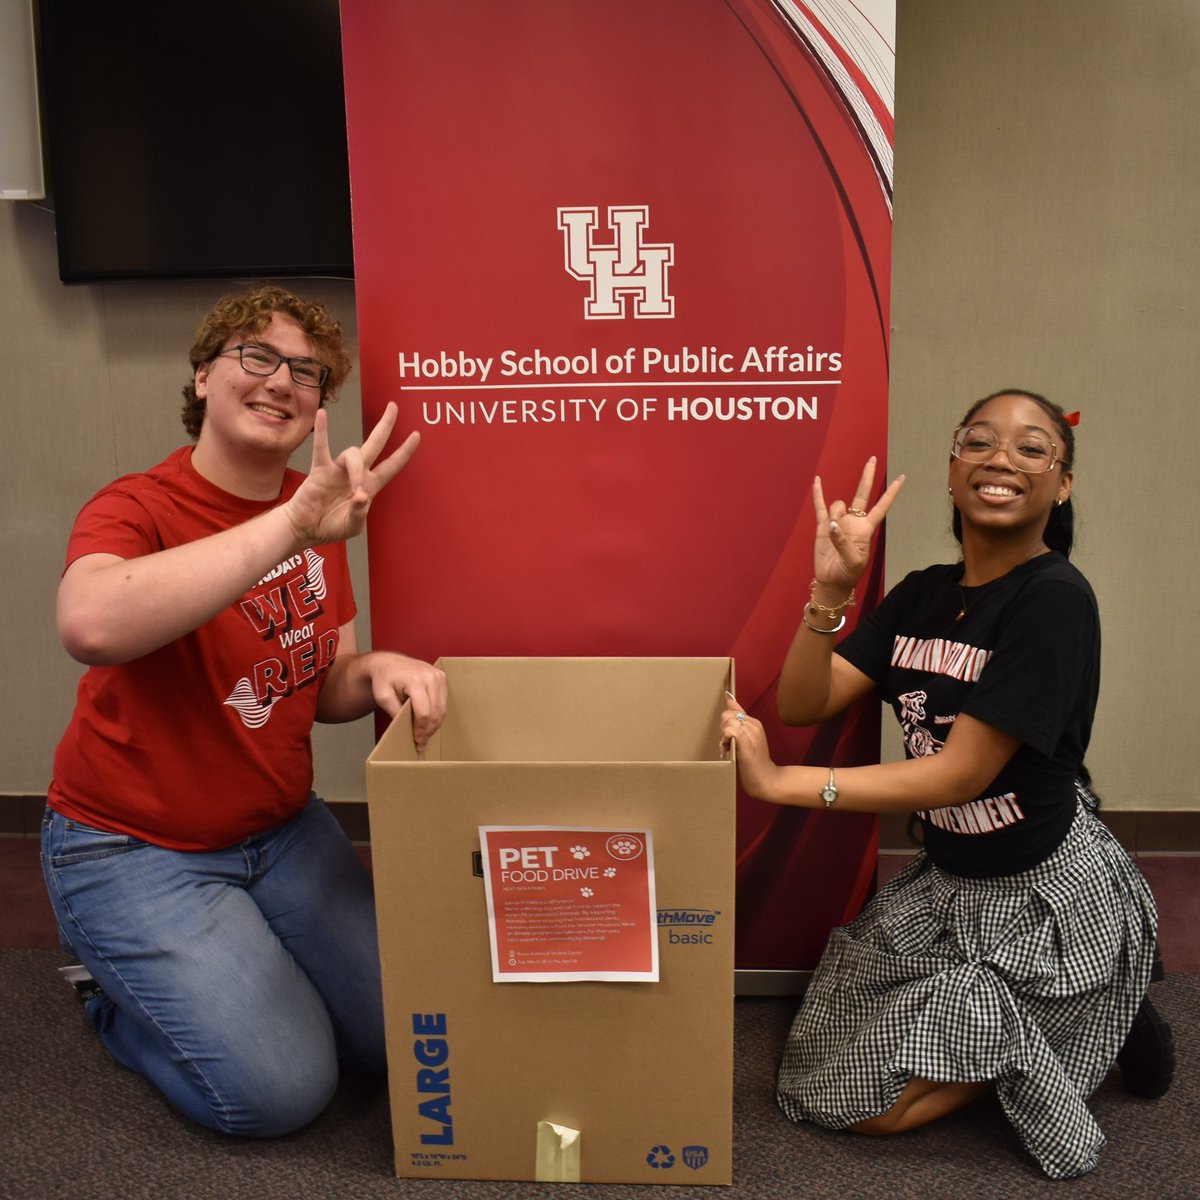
(838, 626)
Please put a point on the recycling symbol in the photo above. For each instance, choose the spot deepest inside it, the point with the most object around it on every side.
(661, 1156)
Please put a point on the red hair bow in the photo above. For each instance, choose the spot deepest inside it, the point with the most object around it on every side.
(1071, 419)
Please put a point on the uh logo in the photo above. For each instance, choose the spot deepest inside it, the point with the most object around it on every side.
(627, 266)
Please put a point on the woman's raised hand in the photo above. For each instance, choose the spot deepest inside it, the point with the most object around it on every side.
(845, 531)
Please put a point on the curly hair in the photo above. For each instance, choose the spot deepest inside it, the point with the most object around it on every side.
(1060, 528)
(249, 312)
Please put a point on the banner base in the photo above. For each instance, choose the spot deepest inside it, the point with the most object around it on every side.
(753, 982)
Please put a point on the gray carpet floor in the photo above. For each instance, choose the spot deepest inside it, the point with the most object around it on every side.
(74, 1125)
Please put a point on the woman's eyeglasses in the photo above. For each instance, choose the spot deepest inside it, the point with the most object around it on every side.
(1030, 453)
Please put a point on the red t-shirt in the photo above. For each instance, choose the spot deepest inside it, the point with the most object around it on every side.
(205, 741)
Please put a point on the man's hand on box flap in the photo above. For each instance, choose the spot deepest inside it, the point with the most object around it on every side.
(359, 682)
(396, 678)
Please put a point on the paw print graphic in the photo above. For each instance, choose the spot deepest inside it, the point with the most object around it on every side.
(609, 872)
(585, 892)
(580, 852)
(624, 846)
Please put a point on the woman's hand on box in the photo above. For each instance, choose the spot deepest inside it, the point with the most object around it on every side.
(756, 772)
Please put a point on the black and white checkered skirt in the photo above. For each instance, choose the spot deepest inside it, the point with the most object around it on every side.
(1030, 980)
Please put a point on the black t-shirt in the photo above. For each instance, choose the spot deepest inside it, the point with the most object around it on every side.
(1023, 657)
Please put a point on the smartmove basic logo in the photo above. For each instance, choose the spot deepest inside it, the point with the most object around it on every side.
(627, 268)
(688, 926)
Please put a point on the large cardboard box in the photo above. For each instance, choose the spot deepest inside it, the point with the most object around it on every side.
(614, 1082)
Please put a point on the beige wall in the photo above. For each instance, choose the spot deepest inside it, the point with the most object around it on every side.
(1046, 237)
(91, 379)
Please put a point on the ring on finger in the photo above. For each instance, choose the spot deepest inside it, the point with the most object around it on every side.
(855, 512)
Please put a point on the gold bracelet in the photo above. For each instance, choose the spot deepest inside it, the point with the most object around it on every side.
(837, 610)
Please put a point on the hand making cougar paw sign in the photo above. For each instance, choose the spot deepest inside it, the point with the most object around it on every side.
(845, 531)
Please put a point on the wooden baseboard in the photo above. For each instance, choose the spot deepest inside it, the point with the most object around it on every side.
(1138, 832)
(21, 816)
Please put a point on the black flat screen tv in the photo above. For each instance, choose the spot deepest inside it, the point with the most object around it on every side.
(195, 140)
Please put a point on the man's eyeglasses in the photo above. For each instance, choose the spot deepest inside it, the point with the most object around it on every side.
(258, 360)
(1030, 453)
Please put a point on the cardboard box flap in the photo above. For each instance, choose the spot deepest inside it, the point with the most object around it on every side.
(573, 710)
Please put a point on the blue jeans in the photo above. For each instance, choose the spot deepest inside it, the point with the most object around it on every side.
(238, 981)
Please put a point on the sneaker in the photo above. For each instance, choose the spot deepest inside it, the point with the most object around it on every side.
(80, 978)
(1147, 1060)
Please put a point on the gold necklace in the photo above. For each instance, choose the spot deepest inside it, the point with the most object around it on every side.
(979, 587)
(965, 603)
